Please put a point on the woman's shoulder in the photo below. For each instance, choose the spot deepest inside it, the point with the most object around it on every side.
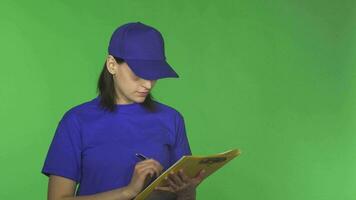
(168, 109)
(83, 109)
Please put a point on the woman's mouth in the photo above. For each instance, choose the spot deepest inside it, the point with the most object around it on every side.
(142, 93)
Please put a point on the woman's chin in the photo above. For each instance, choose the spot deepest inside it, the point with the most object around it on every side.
(140, 99)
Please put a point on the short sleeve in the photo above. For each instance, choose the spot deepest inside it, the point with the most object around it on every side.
(181, 145)
(64, 153)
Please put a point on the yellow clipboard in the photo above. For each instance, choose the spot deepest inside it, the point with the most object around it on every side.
(191, 165)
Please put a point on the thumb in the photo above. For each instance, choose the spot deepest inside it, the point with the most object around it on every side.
(201, 175)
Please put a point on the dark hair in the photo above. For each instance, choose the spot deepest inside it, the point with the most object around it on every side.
(108, 94)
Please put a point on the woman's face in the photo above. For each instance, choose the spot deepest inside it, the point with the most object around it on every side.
(129, 87)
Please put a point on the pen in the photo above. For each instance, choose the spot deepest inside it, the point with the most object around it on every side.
(142, 157)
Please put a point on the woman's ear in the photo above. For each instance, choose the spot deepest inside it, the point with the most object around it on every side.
(111, 64)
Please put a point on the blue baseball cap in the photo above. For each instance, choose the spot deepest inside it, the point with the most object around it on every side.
(142, 48)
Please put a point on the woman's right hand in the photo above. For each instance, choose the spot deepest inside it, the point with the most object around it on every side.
(149, 167)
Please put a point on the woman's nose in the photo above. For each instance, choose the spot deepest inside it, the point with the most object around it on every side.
(149, 83)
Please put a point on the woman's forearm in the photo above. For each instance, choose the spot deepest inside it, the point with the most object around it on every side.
(123, 193)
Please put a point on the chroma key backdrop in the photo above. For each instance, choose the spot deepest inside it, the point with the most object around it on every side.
(275, 79)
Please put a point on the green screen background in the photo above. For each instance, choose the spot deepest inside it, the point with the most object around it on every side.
(273, 78)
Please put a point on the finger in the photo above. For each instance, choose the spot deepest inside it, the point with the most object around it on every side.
(157, 163)
(183, 176)
(157, 172)
(154, 169)
(172, 184)
(148, 171)
(158, 166)
(154, 163)
(202, 174)
(176, 179)
(152, 166)
(199, 178)
(166, 188)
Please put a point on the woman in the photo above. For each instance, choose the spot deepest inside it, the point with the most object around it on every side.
(95, 143)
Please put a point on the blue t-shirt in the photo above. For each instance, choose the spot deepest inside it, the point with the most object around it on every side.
(96, 148)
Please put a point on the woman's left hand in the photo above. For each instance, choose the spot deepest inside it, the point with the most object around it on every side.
(181, 184)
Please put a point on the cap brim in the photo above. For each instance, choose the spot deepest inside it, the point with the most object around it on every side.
(151, 69)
